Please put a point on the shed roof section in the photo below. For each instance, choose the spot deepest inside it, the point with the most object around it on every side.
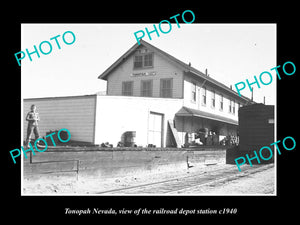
(185, 67)
(185, 111)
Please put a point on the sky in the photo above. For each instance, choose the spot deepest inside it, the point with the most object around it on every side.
(231, 53)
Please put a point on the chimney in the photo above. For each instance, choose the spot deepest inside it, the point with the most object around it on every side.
(231, 86)
(190, 64)
(206, 72)
(264, 100)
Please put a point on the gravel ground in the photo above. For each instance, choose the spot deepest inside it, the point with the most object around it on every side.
(258, 183)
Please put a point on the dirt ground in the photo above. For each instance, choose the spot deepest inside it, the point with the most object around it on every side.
(257, 183)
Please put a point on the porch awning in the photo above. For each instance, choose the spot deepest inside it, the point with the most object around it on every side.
(185, 111)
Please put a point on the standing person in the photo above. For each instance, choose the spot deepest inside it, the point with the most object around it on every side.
(32, 118)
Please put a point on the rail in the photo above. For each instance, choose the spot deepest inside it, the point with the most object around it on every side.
(172, 186)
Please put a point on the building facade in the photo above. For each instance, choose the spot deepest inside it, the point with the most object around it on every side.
(146, 71)
(96, 119)
(163, 100)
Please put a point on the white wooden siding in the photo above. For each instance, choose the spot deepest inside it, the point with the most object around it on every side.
(163, 67)
(76, 113)
(198, 104)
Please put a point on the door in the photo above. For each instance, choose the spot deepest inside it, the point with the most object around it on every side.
(155, 129)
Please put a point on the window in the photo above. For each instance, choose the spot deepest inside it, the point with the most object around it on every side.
(204, 96)
(138, 61)
(143, 61)
(146, 88)
(221, 102)
(233, 107)
(127, 88)
(194, 92)
(148, 60)
(166, 88)
(213, 99)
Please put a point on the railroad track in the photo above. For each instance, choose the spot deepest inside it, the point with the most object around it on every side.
(180, 184)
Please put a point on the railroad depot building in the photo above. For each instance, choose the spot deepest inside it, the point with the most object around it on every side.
(149, 93)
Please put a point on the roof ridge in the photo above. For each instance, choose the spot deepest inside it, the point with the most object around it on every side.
(181, 63)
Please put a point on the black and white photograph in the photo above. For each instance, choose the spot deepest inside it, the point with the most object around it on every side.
(188, 113)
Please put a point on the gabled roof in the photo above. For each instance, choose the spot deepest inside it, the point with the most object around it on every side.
(184, 66)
